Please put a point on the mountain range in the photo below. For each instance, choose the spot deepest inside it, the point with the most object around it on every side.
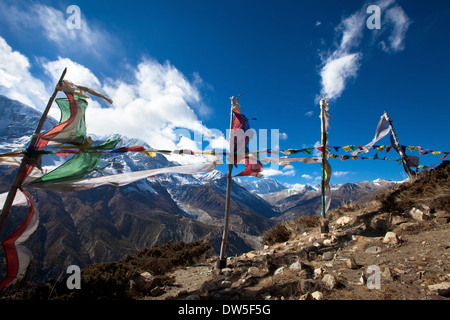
(106, 223)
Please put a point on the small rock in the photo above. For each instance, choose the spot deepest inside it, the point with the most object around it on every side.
(363, 278)
(342, 221)
(327, 242)
(398, 220)
(409, 226)
(328, 256)
(318, 273)
(373, 249)
(253, 271)
(225, 284)
(390, 238)
(318, 245)
(143, 282)
(306, 296)
(317, 295)
(443, 288)
(297, 266)
(312, 256)
(387, 274)
(279, 271)
(415, 213)
(329, 281)
(351, 263)
(208, 287)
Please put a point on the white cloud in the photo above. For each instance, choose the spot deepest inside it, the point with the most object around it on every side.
(75, 72)
(283, 136)
(16, 80)
(340, 173)
(343, 64)
(31, 19)
(158, 104)
(397, 19)
(273, 172)
(336, 73)
(309, 113)
(318, 23)
(306, 176)
(295, 186)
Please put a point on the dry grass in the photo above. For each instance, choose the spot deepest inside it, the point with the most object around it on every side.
(284, 231)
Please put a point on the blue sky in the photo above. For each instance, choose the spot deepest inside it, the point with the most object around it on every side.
(171, 67)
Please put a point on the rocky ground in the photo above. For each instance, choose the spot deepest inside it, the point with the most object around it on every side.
(359, 259)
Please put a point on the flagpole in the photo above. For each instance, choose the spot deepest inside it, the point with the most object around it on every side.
(400, 150)
(23, 165)
(222, 261)
(323, 220)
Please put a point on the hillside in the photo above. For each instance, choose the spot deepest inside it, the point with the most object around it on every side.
(375, 251)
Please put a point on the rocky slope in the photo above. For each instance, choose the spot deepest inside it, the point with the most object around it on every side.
(370, 254)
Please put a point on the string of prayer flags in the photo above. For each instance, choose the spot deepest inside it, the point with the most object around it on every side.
(123, 178)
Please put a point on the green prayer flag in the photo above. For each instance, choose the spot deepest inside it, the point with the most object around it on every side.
(77, 167)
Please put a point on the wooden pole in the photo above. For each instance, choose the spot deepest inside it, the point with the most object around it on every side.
(323, 220)
(222, 261)
(400, 150)
(23, 165)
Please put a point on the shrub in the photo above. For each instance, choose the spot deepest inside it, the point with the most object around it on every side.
(277, 234)
(111, 280)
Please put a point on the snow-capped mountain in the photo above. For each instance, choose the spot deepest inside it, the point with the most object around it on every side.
(261, 186)
(210, 176)
(17, 124)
